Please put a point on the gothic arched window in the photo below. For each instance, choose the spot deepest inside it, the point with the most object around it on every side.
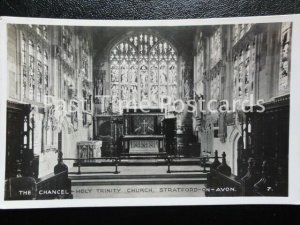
(31, 82)
(244, 73)
(284, 58)
(39, 74)
(46, 73)
(24, 64)
(34, 65)
(143, 71)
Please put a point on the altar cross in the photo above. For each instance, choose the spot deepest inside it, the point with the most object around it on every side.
(144, 124)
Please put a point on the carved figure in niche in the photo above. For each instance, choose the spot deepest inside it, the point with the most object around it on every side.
(163, 90)
(123, 73)
(132, 74)
(163, 74)
(153, 74)
(143, 74)
(285, 50)
(115, 104)
(172, 74)
(99, 87)
(144, 94)
(114, 73)
(133, 94)
(107, 104)
(124, 92)
(285, 67)
(130, 92)
(240, 91)
(114, 91)
(284, 75)
(154, 94)
(173, 92)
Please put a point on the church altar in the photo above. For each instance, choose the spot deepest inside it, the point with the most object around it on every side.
(89, 149)
(143, 131)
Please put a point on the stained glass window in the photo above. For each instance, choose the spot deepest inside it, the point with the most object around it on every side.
(67, 43)
(200, 59)
(31, 81)
(45, 32)
(46, 73)
(215, 47)
(143, 70)
(284, 58)
(215, 84)
(39, 74)
(84, 73)
(215, 55)
(239, 30)
(34, 64)
(244, 73)
(23, 64)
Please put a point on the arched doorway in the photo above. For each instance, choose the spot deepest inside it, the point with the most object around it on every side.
(237, 148)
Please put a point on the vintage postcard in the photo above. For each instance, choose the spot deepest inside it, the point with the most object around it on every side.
(169, 112)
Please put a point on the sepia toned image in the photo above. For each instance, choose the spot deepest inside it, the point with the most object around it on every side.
(98, 112)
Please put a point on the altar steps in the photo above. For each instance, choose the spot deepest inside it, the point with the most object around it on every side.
(126, 179)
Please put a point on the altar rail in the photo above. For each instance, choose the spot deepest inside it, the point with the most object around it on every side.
(203, 162)
(80, 162)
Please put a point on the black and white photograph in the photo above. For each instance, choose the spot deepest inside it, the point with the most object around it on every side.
(112, 112)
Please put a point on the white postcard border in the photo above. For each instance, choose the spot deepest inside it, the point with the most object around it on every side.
(294, 140)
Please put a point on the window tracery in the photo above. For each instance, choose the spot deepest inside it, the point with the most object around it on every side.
(85, 76)
(215, 84)
(244, 69)
(239, 30)
(67, 45)
(143, 67)
(46, 73)
(284, 57)
(39, 74)
(215, 47)
(34, 64)
(31, 71)
(24, 65)
(215, 56)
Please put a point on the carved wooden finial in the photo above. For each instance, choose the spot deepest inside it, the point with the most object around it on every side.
(216, 162)
(60, 164)
(18, 174)
(224, 168)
